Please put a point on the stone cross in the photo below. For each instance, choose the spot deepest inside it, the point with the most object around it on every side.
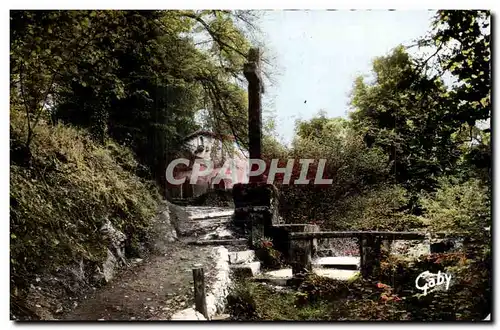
(252, 74)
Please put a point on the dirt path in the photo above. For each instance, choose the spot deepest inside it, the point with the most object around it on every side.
(162, 284)
(152, 290)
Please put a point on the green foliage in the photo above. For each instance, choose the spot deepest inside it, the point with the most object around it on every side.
(468, 297)
(59, 203)
(392, 298)
(267, 254)
(135, 76)
(418, 121)
(406, 114)
(253, 302)
(382, 208)
(462, 38)
(349, 163)
(459, 207)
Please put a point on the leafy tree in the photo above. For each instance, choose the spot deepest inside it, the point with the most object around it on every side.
(137, 77)
(409, 116)
(349, 163)
(462, 42)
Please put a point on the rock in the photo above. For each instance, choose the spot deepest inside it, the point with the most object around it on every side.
(218, 285)
(115, 237)
(413, 249)
(109, 266)
(188, 314)
(221, 317)
(241, 257)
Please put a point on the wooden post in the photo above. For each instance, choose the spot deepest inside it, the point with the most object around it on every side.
(199, 291)
(252, 74)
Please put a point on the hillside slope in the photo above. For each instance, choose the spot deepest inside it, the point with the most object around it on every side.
(76, 208)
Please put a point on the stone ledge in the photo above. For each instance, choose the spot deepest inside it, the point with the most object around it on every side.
(247, 270)
(219, 285)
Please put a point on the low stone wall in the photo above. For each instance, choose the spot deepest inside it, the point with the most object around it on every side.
(218, 282)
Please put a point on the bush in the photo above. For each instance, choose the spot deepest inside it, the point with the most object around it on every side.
(459, 207)
(349, 163)
(253, 301)
(268, 255)
(379, 208)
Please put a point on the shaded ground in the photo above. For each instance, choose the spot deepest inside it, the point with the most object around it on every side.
(152, 290)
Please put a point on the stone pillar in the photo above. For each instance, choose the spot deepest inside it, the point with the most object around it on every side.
(252, 74)
(300, 257)
(255, 209)
(369, 252)
(301, 253)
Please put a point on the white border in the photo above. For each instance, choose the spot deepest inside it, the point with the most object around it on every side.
(184, 4)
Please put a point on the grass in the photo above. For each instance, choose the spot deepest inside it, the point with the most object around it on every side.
(63, 193)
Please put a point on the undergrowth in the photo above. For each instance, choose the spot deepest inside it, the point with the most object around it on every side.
(62, 190)
(390, 296)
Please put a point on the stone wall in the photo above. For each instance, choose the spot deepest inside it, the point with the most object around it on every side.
(256, 210)
(218, 283)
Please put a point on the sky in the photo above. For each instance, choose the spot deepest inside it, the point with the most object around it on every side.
(318, 54)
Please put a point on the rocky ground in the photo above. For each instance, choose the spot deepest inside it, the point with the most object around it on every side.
(162, 284)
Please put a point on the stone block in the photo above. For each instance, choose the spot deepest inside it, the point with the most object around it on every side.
(246, 270)
(254, 194)
(241, 257)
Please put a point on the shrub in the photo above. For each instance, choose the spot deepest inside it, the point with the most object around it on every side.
(267, 254)
(379, 208)
(459, 207)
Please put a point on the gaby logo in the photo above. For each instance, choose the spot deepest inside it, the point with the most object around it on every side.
(428, 280)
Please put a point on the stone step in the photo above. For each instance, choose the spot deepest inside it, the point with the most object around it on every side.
(234, 241)
(241, 257)
(221, 317)
(247, 270)
(278, 281)
(346, 263)
(286, 274)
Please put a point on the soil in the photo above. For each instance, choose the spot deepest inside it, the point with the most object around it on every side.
(154, 289)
